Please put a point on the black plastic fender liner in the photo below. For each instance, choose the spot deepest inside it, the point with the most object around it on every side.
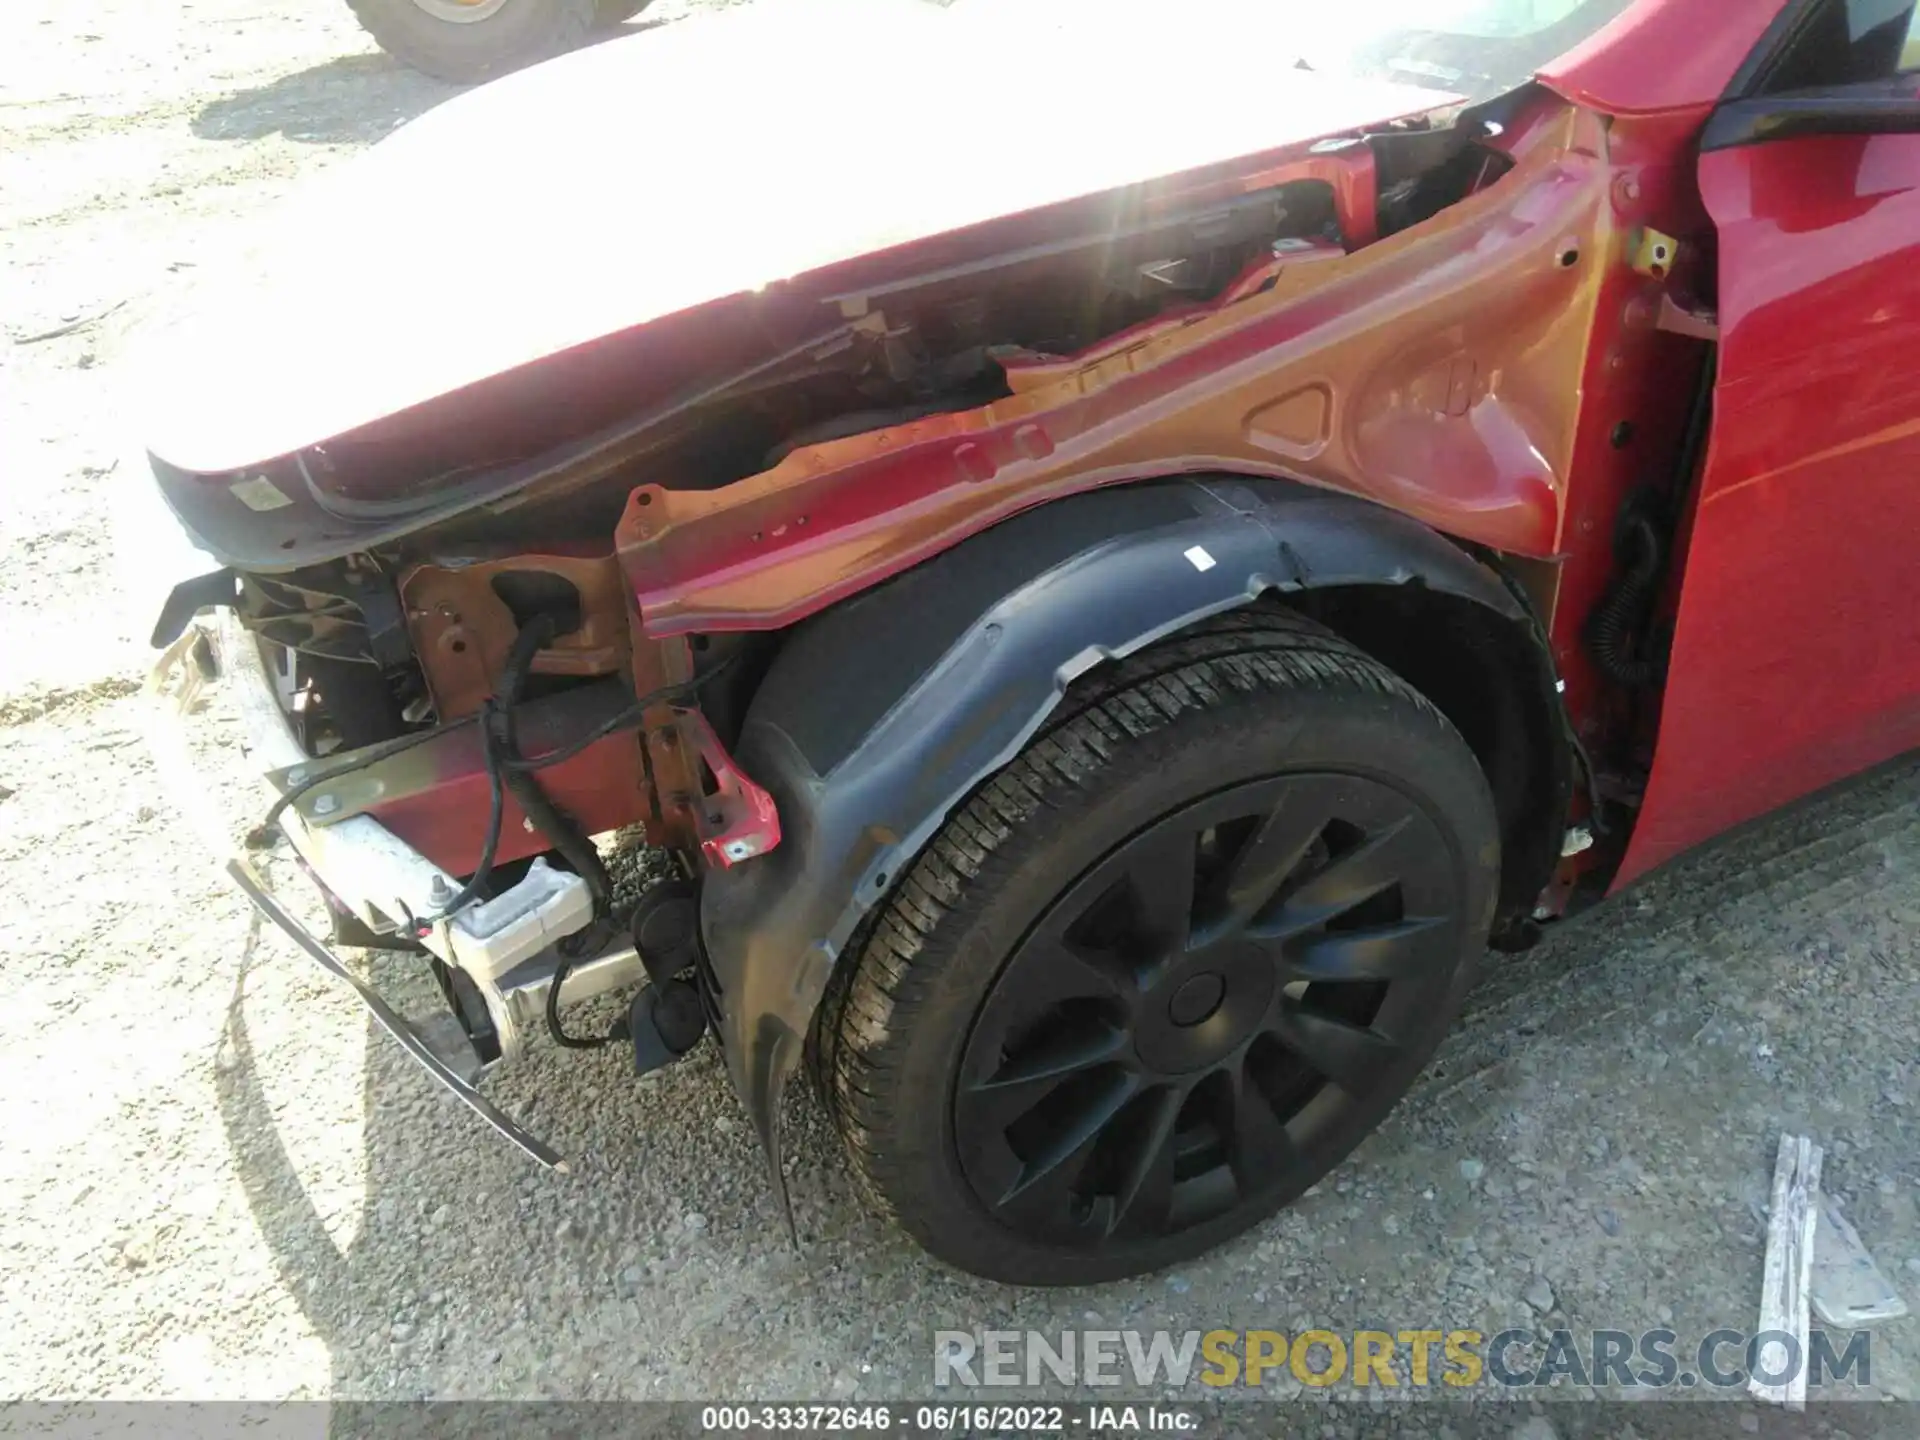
(881, 715)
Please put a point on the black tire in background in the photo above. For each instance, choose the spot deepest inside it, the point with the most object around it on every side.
(1168, 967)
(618, 12)
(467, 51)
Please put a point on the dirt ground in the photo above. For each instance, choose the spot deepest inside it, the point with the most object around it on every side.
(217, 1182)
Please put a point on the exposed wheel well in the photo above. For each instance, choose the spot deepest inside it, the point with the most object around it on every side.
(960, 660)
(1494, 681)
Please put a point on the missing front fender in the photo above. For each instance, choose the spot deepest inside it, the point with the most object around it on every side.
(881, 715)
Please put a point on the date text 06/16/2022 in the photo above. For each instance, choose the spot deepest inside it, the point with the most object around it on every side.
(951, 1419)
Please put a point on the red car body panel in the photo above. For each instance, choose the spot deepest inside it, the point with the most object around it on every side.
(1395, 372)
(1663, 56)
(1797, 657)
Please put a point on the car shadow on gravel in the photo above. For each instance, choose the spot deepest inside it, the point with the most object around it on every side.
(354, 99)
(309, 1263)
(428, 1300)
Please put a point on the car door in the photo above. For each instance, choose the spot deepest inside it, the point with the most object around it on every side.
(1796, 656)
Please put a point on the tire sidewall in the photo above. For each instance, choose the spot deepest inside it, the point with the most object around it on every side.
(1195, 753)
(521, 33)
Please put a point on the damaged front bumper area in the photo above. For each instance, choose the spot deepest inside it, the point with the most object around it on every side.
(505, 951)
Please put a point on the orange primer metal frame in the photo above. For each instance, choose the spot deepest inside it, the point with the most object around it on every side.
(1439, 371)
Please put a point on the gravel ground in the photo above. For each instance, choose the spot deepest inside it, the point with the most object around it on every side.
(216, 1182)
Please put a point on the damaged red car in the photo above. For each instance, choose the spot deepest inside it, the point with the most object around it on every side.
(1118, 562)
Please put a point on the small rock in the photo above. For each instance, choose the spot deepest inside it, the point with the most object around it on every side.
(628, 1281)
(1390, 1225)
(694, 1220)
(1609, 1221)
(1179, 1284)
(1535, 1427)
(401, 1331)
(1750, 1423)
(1539, 1294)
(1664, 1314)
(1471, 1171)
(564, 1230)
(1914, 1264)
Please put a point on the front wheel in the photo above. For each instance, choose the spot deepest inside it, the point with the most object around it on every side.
(1171, 965)
(467, 41)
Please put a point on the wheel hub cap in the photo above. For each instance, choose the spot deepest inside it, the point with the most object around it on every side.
(1197, 1000)
(1185, 1029)
(1210, 1005)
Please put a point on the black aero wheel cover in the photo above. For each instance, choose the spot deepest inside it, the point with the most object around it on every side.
(1193, 1029)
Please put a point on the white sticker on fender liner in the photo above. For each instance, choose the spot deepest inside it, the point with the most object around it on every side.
(1200, 559)
(259, 493)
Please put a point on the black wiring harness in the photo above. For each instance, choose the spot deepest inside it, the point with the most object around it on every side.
(508, 772)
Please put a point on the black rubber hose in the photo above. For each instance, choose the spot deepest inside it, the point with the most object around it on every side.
(505, 767)
(1619, 617)
(567, 837)
(571, 950)
(496, 748)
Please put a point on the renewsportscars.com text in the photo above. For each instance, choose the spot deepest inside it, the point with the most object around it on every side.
(1461, 1359)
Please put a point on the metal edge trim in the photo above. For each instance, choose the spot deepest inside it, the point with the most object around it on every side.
(248, 879)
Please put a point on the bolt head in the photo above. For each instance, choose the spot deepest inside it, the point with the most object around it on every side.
(325, 804)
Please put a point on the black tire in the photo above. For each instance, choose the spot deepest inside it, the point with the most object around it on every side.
(922, 1035)
(617, 12)
(519, 33)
